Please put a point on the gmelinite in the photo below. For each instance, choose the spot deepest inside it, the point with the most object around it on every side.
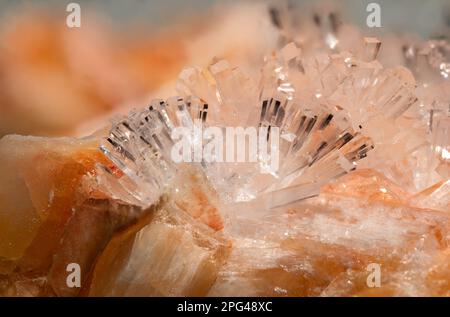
(229, 144)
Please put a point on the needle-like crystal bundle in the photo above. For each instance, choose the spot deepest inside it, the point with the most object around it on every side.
(325, 107)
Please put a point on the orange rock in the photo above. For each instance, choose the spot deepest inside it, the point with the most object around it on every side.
(368, 184)
(57, 224)
(171, 255)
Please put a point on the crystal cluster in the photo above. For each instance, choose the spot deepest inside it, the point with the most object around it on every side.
(362, 181)
(322, 136)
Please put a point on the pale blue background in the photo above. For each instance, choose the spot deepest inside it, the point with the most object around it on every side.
(424, 17)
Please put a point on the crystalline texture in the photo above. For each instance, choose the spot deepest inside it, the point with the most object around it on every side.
(182, 259)
(314, 134)
(362, 181)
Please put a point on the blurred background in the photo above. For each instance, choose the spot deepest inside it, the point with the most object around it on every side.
(56, 80)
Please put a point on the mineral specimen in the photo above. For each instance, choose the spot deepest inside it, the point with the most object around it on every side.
(362, 185)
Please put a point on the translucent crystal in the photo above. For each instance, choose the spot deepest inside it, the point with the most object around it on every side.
(371, 49)
(441, 138)
(314, 133)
